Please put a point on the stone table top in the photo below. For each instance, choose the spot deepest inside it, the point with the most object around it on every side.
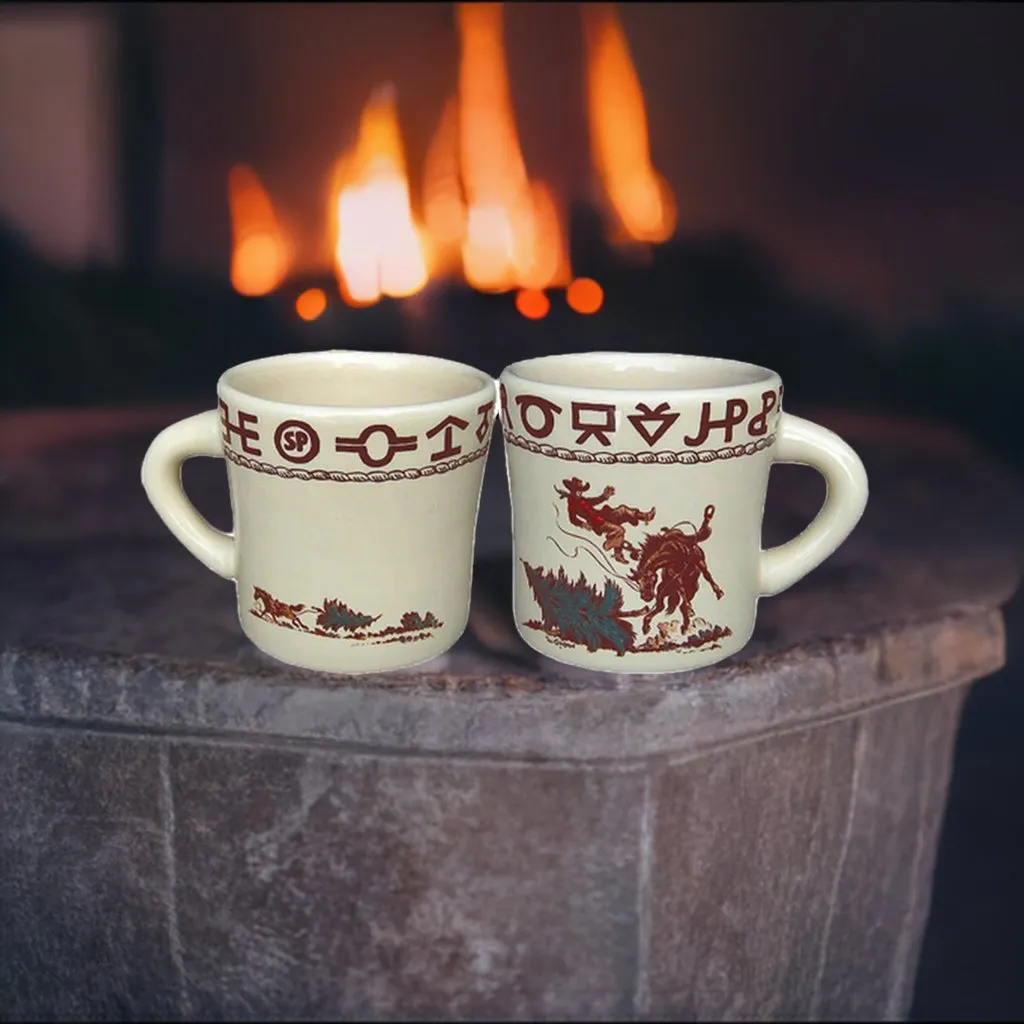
(106, 621)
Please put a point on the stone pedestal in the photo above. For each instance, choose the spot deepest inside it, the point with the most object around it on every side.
(190, 830)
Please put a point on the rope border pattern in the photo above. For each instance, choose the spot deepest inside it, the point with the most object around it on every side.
(688, 458)
(339, 477)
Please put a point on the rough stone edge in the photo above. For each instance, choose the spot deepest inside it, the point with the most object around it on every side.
(505, 717)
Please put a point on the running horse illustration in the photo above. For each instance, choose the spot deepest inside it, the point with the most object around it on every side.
(277, 612)
(606, 521)
(669, 569)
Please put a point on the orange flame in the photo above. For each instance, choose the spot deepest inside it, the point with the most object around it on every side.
(513, 236)
(311, 303)
(585, 295)
(481, 208)
(639, 197)
(260, 252)
(444, 210)
(379, 249)
(533, 304)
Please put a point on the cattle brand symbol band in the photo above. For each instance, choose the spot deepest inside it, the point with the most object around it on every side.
(296, 441)
(361, 445)
(484, 412)
(595, 424)
(447, 427)
(645, 416)
(662, 570)
(242, 429)
(595, 420)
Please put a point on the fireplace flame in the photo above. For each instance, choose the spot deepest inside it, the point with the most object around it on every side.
(379, 248)
(311, 303)
(484, 217)
(584, 295)
(444, 208)
(513, 236)
(638, 196)
(261, 253)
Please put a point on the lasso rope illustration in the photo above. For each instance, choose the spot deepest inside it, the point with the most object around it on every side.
(589, 547)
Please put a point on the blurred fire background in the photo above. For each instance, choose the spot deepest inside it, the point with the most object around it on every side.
(845, 181)
(839, 187)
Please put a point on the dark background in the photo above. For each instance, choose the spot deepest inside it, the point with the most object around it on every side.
(850, 184)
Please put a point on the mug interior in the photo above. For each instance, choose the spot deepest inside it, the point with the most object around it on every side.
(344, 379)
(624, 371)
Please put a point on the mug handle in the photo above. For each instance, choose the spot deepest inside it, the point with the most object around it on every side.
(807, 444)
(161, 478)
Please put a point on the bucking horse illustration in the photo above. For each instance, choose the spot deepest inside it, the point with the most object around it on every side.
(669, 569)
(607, 521)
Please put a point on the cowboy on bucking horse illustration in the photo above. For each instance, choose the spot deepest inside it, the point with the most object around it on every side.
(607, 521)
(669, 571)
(666, 569)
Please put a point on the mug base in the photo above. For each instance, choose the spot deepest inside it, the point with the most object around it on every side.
(339, 656)
(631, 663)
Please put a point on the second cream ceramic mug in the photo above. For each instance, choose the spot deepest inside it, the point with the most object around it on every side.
(355, 480)
(638, 486)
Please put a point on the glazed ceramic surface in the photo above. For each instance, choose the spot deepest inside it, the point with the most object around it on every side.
(638, 485)
(355, 480)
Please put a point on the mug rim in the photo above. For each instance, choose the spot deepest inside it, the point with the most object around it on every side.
(760, 376)
(336, 356)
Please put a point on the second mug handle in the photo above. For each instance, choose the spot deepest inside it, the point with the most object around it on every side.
(807, 444)
(161, 478)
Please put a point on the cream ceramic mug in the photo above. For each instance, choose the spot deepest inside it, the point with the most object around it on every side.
(638, 485)
(355, 480)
